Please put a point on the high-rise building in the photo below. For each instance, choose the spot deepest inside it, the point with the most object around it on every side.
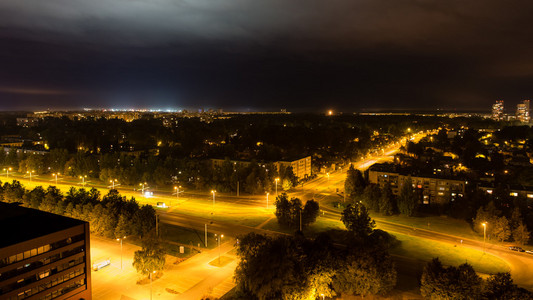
(497, 110)
(42, 255)
(522, 111)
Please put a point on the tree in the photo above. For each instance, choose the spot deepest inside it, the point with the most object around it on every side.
(143, 220)
(150, 258)
(310, 213)
(356, 219)
(366, 275)
(501, 286)
(386, 202)
(408, 200)
(439, 282)
(501, 229)
(283, 209)
(520, 234)
(122, 228)
(371, 196)
(354, 184)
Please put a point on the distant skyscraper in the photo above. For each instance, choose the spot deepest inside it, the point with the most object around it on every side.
(522, 111)
(497, 110)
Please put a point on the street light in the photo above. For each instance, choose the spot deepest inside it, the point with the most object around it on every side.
(218, 240)
(151, 275)
(484, 234)
(112, 181)
(276, 180)
(7, 171)
(213, 192)
(177, 188)
(327, 174)
(120, 239)
(30, 172)
(142, 187)
(83, 179)
(267, 199)
(55, 175)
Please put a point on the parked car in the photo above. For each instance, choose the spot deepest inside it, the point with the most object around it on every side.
(514, 248)
(529, 252)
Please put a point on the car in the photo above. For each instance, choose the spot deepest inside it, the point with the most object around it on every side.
(529, 251)
(514, 248)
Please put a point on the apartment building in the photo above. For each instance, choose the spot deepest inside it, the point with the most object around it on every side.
(43, 255)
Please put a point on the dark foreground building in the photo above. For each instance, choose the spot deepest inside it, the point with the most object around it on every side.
(42, 255)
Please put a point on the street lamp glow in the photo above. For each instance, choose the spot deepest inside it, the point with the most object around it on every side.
(30, 172)
(83, 179)
(484, 234)
(7, 171)
(213, 192)
(55, 175)
(121, 239)
(267, 199)
(276, 180)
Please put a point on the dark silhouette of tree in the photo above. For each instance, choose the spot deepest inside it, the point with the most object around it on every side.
(408, 199)
(386, 202)
(356, 219)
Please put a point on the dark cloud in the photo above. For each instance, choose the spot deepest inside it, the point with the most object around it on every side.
(349, 54)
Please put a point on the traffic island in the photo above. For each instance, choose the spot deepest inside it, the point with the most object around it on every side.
(221, 262)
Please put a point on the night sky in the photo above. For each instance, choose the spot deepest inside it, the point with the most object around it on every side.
(308, 55)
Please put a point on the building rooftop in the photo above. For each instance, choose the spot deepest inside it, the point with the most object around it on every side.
(20, 224)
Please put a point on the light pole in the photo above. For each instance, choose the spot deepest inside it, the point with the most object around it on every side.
(218, 240)
(213, 192)
(120, 239)
(113, 183)
(327, 174)
(177, 188)
(55, 175)
(83, 179)
(151, 275)
(323, 296)
(142, 187)
(276, 180)
(7, 171)
(267, 199)
(484, 234)
(30, 172)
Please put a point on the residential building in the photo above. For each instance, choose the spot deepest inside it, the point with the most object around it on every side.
(301, 167)
(497, 110)
(43, 255)
(433, 189)
(522, 111)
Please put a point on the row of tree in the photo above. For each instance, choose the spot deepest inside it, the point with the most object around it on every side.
(128, 169)
(111, 215)
(291, 214)
(490, 222)
(440, 282)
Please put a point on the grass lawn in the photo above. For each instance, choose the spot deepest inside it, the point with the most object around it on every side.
(424, 249)
(440, 224)
(224, 260)
(187, 236)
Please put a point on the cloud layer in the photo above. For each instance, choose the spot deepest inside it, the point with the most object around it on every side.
(349, 54)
